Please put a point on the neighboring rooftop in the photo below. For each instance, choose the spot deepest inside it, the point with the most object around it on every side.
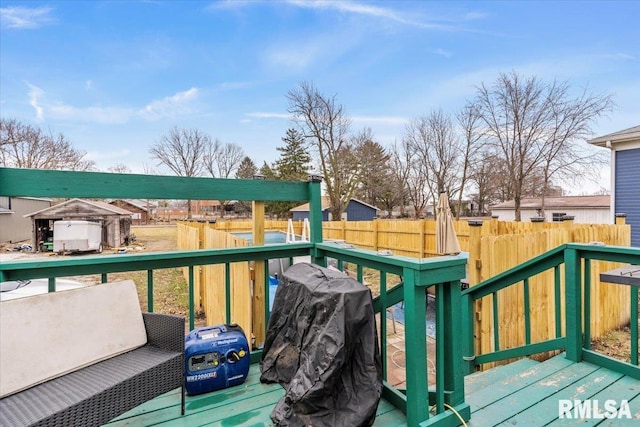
(630, 134)
(558, 202)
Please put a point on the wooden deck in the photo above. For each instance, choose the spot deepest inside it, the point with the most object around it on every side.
(523, 393)
(249, 404)
(527, 393)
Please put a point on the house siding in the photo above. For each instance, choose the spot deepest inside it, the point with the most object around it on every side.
(14, 227)
(359, 212)
(582, 215)
(627, 190)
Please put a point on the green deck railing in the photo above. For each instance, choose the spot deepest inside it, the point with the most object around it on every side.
(576, 259)
(446, 399)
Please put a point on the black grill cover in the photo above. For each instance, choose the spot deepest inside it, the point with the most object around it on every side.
(322, 347)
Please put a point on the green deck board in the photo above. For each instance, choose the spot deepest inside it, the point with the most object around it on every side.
(525, 397)
(248, 404)
(478, 380)
(625, 388)
(634, 406)
(546, 410)
(515, 382)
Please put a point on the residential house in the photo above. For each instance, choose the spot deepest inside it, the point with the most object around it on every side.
(625, 176)
(584, 209)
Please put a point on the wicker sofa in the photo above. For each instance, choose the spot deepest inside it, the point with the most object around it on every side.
(96, 391)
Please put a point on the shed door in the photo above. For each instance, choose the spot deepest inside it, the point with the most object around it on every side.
(627, 191)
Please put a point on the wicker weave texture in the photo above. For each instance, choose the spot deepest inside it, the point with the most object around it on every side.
(98, 393)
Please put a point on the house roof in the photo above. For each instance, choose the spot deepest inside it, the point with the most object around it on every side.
(630, 134)
(326, 203)
(140, 204)
(101, 205)
(558, 202)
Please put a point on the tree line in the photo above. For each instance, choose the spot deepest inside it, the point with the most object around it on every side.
(517, 137)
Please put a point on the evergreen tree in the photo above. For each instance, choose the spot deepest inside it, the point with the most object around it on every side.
(293, 164)
(246, 170)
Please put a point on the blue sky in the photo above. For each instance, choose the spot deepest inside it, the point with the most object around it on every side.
(115, 76)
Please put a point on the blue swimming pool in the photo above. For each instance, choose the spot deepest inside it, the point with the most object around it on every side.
(270, 237)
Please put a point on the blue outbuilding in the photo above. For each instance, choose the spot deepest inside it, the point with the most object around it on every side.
(356, 211)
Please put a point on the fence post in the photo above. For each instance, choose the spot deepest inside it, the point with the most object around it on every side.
(259, 293)
(621, 219)
(537, 222)
(375, 234)
(573, 316)
(473, 311)
(422, 236)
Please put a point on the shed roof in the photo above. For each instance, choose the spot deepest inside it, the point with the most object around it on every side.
(558, 202)
(326, 203)
(630, 134)
(115, 210)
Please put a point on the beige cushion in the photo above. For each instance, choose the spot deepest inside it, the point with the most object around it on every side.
(45, 336)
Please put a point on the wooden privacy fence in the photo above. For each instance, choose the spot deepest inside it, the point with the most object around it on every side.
(493, 246)
(210, 281)
(490, 255)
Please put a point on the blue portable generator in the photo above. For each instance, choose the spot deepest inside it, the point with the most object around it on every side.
(215, 357)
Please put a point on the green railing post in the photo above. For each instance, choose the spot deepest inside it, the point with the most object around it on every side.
(451, 317)
(468, 334)
(315, 217)
(150, 291)
(415, 348)
(634, 325)
(573, 304)
(192, 310)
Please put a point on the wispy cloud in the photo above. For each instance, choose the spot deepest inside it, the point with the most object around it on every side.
(19, 17)
(173, 106)
(442, 52)
(34, 100)
(170, 106)
(357, 8)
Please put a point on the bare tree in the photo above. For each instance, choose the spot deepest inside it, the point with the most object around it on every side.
(470, 126)
(119, 168)
(437, 148)
(181, 150)
(565, 158)
(414, 175)
(26, 146)
(376, 181)
(528, 120)
(222, 161)
(324, 123)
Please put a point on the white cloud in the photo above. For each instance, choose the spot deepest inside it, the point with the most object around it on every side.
(368, 10)
(18, 17)
(442, 52)
(88, 84)
(170, 106)
(34, 100)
